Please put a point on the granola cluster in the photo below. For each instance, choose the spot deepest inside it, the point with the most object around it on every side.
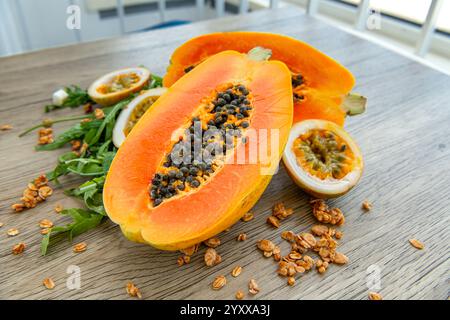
(48, 283)
(187, 253)
(133, 291)
(5, 127)
(36, 192)
(45, 136)
(80, 247)
(212, 258)
(325, 214)
(99, 114)
(78, 148)
(279, 212)
(18, 248)
(322, 241)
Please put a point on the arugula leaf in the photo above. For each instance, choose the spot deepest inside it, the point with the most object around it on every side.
(73, 133)
(155, 81)
(107, 160)
(82, 221)
(109, 118)
(77, 97)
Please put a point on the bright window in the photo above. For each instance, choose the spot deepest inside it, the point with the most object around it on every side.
(443, 23)
(410, 10)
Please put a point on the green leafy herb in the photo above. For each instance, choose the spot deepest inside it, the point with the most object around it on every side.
(77, 97)
(155, 82)
(82, 221)
(49, 122)
(73, 133)
(93, 163)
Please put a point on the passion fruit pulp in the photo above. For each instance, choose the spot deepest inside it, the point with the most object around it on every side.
(322, 158)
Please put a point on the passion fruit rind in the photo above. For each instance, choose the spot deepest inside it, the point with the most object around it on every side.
(118, 85)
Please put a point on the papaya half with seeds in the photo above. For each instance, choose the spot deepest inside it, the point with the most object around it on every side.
(173, 183)
(320, 84)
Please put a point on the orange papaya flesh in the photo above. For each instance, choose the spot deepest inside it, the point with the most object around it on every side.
(169, 220)
(319, 82)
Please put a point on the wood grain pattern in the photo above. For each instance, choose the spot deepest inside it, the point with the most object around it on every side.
(404, 137)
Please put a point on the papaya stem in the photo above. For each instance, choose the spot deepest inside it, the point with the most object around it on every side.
(49, 122)
(354, 104)
(259, 54)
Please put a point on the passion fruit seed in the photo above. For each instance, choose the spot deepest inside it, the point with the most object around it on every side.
(138, 112)
(223, 118)
(323, 154)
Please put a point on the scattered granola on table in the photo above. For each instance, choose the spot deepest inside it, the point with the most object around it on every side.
(191, 250)
(76, 145)
(187, 253)
(273, 221)
(291, 281)
(80, 247)
(247, 217)
(58, 208)
(297, 261)
(416, 244)
(45, 224)
(279, 212)
(325, 214)
(99, 114)
(18, 248)
(241, 237)
(366, 205)
(45, 136)
(239, 295)
(12, 232)
(375, 296)
(36, 192)
(183, 260)
(48, 283)
(253, 287)
(219, 282)
(236, 271)
(133, 291)
(265, 245)
(212, 242)
(211, 257)
(5, 127)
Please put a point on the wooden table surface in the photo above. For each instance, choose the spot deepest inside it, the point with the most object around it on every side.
(403, 135)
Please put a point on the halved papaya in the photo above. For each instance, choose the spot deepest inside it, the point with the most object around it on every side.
(320, 83)
(171, 199)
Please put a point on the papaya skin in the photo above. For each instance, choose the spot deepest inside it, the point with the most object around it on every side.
(189, 219)
(326, 82)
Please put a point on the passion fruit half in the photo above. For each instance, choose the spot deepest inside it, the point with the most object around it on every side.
(133, 112)
(322, 158)
(117, 85)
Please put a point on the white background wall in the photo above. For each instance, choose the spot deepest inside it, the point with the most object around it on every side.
(45, 23)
